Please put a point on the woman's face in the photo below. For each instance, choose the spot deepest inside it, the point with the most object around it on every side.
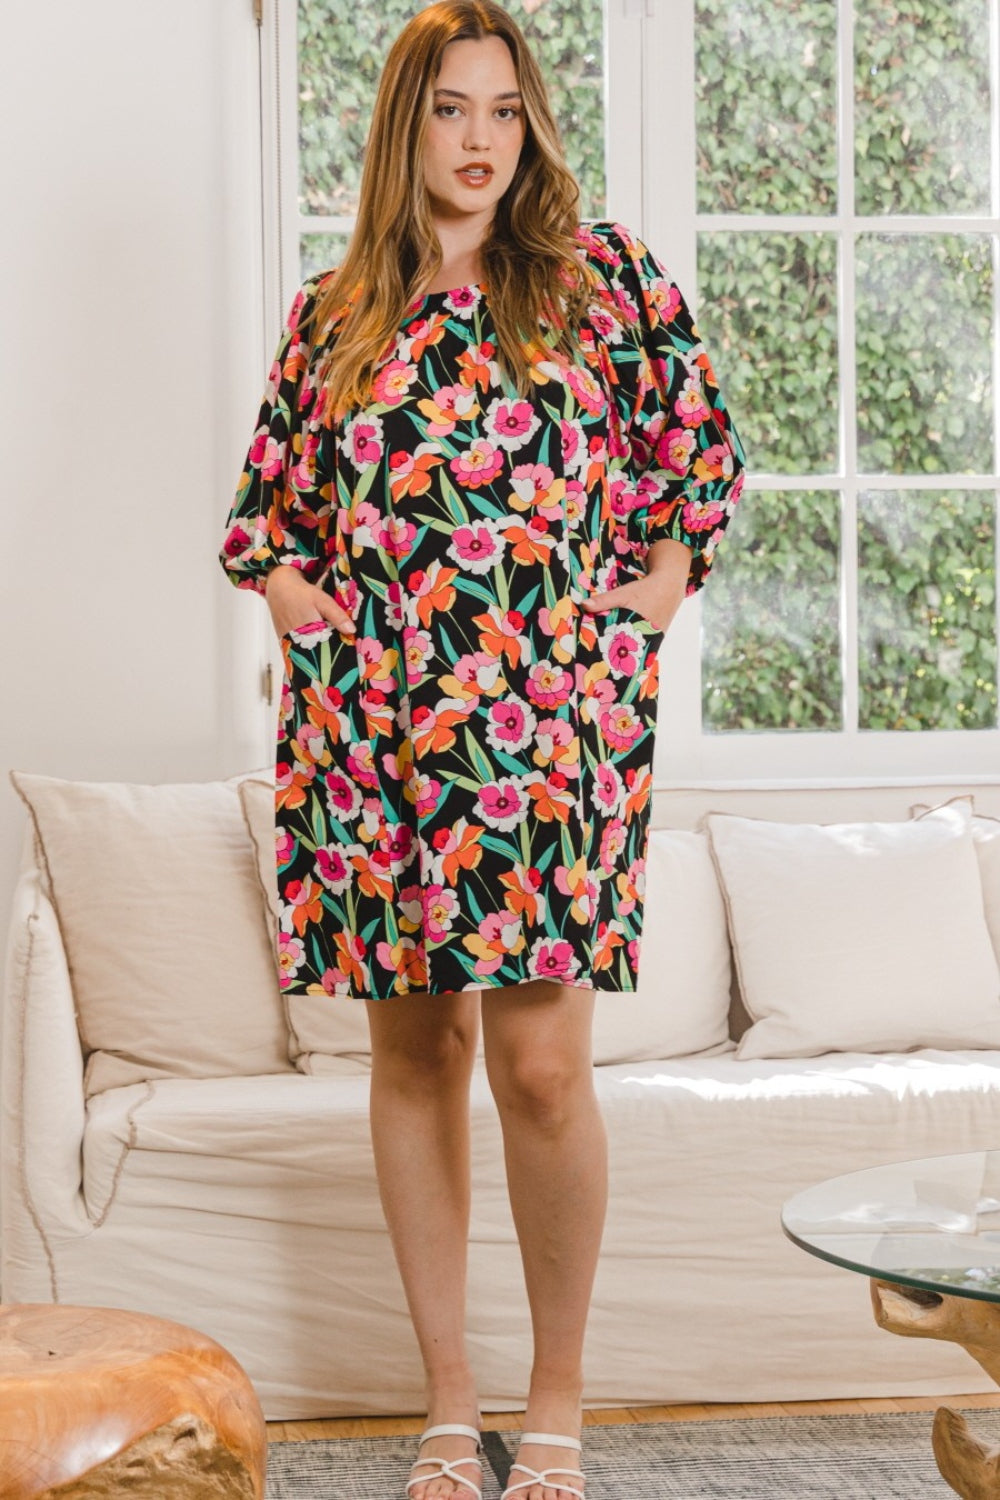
(476, 130)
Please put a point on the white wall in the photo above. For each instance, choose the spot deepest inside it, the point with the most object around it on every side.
(133, 366)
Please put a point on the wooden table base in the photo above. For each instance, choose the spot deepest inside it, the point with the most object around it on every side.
(96, 1402)
(969, 1465)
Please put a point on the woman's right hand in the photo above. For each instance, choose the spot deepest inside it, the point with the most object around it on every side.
(294, 602)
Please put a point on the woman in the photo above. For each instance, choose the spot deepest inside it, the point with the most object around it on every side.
(491, 461)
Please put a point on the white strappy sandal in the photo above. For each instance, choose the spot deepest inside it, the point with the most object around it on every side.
(446, 1467)
(544, 1476)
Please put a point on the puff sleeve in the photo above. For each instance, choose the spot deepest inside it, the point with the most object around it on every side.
(282, 508)
(683, 458)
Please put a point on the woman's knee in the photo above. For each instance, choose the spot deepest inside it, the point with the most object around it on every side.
(427, 1044)
(545, 1087)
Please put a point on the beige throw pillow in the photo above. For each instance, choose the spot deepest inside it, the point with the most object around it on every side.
(864, 937)
(160, 910)
(986, 837)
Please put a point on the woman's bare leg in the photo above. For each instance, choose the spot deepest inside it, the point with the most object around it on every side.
(538, 1056)
(423, 1050)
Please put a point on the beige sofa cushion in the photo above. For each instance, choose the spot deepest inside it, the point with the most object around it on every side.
(159, 906)
(858, 936)
(986, 837)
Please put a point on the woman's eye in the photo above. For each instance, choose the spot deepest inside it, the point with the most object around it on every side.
(442, 107)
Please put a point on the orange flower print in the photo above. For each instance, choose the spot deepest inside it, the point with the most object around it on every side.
(524, 893)
(303, 903)
(433, 589)
(610, 937)
(457, 849)
(411, 473)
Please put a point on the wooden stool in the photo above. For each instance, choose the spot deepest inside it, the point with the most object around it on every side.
(97, 1402)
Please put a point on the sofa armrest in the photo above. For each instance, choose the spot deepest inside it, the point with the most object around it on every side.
(41, 1090)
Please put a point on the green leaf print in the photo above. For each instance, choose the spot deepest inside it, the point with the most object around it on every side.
(453, 501)
(525, 843)
(477, 758)
(318, 826)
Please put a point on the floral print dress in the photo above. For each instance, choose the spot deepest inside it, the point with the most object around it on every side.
(464, 784)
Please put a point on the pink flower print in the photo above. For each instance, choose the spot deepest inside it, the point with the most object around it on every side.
(333, 869)
(303, 474)
(479, 670)
(620, 725)
(440, 910)
(291, 957)
(425, 793)
(477, 546)
(605, 325)
(665, 297)
(396, 535)
(556, 742)
(237, 541)
(343, 798)
(587, 390)
(700, 517)
(613, 841)
(552, 958)
(499, 934)
(502, 804)
(511, 423)
(715, 462)
(690, 405)
(574, 447)
(310, 745)
(609, 788)
(395, 605)
(363, 440)
(510, 723)
(531, 484)
(449, 405)
(418, 648)
(361, 764)
(267, 454)
(284, 846)
(548, 685)
(397, 842)
(674, 449)
(478, 465)
(575, 504)
(410, 905)
(392, 383)
(621, 647)
(463, 300)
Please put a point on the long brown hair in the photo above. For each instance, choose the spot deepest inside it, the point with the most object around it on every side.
(539, 285)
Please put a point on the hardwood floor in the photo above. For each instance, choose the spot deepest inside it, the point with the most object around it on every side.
(349, 1427)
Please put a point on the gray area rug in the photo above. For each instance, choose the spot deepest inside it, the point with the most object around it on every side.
(876, 1456)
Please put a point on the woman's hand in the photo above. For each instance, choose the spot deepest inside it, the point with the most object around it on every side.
(294, 602)
(659, 595)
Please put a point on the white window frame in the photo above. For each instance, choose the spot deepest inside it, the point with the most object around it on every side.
(651, 140)
(686, 752)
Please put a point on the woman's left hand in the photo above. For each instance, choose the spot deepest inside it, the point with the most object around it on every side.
(659, 595)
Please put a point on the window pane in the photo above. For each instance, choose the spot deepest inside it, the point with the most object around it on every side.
(771, 619)
(320, 252)
(922, 106)
(766, 80)
(926, 615)
(924, 350)
(342, 46)
(768, 314)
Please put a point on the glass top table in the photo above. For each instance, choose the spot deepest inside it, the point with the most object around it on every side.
(927, 1234)
(932, 1224)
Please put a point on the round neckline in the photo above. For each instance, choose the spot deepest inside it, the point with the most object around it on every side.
(468, 286)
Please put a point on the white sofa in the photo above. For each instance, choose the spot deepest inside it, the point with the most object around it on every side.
(188, 1147)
